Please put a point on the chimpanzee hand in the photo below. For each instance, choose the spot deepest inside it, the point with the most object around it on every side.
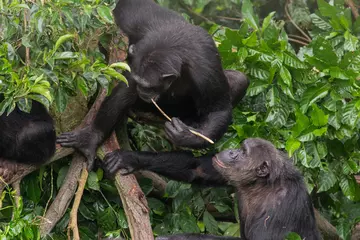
(178, 133)
(118, 159)
(85, 140)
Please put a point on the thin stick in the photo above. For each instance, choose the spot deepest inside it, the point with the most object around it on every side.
(192, 131)
(292, 21)
(73, 226)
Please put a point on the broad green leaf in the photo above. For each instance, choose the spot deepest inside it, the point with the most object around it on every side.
(267, 20)
(105, 14)
(326, 9)
(248, 14)
(40, 89)
(63, 39)
(318, 117)
(285, 75)
(350, 187)
(292, 61)
(320, 23)
(251, 41)
(86, 212)
(65, 55)
(324, 51)
(256, 87)
(278, 116)
(61, 176)
(292, 145)
(93, 181)
(210, 223)
(111, 72)
(351, 42)
(350, 114)
(156, 206)
(313, 94)
(293, 236)
(121, 65)
(326, 180)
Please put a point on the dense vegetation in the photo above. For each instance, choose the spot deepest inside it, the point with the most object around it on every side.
(304, 97)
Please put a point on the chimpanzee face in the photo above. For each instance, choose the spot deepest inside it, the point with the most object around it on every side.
(153, 72)
(248, 163)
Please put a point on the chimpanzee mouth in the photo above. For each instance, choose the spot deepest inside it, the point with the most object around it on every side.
(219, 162)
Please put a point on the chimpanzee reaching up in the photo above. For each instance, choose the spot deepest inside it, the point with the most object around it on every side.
(27, 137)
(273, 199)
(174, 63)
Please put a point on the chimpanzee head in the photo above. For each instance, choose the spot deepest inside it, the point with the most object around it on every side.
(256, 160)
(153, 69)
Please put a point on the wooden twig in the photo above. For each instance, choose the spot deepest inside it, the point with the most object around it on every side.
(298, 37)
(73, 227)
(354, 9)
(298, 41)
(292, 21)
(192, 131)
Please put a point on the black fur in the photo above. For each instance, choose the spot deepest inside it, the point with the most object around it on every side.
(27, 137)
(273, 199)
(178, 65)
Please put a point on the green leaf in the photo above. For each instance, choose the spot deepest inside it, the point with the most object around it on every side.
(350, 187)
(324, 51)
(63, 39)
(107, 219)
(111, 72)
(121, 65)
(210, 223)
(278, 115)
(292, 61)
(156, 206)
(326, 180)
(293, 236)
(93, 181)
(256, 87)
(318, 117)
(61, 176)
(188, 224)
(313, 94)
(105, 14)
(292, 145)
(248, 14)
(350, 114)
(320, 23)
(251, 41)
(326, 9)
(351, 42)
(86, 212)
(267, 20)
(25, 6)
(40, 89)
(285, 75)
(65, 55)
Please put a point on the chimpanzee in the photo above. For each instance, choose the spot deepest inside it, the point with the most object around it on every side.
(177, 65)
(27, 137)
(273, 199)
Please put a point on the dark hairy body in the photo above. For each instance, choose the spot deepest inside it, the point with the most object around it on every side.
(27, 137)
(273, 198)
(174, 63)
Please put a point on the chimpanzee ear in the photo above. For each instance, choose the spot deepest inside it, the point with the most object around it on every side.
(263, 169)
(131, 50)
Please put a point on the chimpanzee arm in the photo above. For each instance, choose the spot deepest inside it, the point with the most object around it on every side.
(180, 166)
(113, 109)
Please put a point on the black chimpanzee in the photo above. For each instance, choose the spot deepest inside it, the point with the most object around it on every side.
(176, 64)
(27, 137)
(273, 199)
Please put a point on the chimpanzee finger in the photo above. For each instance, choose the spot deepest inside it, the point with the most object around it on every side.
(178, 124)
(169, 128)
